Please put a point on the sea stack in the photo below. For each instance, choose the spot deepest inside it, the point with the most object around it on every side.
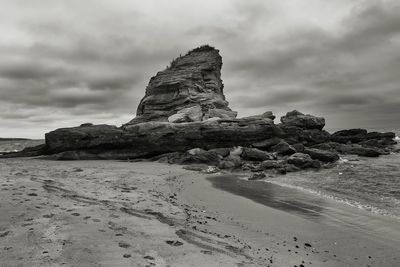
(185, 118)
(189, 90)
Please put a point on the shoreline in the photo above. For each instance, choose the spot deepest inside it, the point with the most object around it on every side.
(118, 213)
(310, 206)
(288, 218)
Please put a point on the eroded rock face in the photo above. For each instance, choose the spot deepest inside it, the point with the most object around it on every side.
(184, 118)
(154, 138)
(191, 80)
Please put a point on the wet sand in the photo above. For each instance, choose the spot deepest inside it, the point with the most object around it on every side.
(110, 213)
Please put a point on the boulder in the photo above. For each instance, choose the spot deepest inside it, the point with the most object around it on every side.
(192, 78)
(222, 152)
(298, 147)
(349, 136)
(266, 144)
(378, 135)
(330, 146)
(220, 113)
(187, 115)
(271, 164)
(322, 155)
(381, 143)
(360, 150)
(303, 161)
(307, 137)
(283, 148)
(230, 162)
(257, 176)
(198, 155)
(265, 115)
(255, 154)
(298, 119)
(292, 168)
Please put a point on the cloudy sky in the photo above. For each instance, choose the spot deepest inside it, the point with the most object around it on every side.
(66, 62)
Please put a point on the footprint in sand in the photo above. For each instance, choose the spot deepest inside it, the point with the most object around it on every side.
(4, 234)
(174, 243)
(123, 244)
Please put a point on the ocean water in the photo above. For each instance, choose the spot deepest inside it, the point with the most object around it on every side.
(371, 184)
(17, 145)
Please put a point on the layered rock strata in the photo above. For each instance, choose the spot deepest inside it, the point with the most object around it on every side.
(190, 89)
(184, 118)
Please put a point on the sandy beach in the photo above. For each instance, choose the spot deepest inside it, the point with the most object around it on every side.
(114, 213)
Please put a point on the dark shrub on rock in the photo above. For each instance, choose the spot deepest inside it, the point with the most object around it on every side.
(86, 124)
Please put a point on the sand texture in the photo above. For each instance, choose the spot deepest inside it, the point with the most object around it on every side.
(110, 213)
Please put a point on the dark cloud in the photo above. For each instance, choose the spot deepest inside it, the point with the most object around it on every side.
(68, 62)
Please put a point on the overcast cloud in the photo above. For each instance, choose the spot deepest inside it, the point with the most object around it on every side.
(64, 63)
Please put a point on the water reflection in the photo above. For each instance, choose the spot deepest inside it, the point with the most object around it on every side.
(271, 195)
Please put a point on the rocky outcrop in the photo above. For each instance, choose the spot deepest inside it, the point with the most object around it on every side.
(298, 119)
(192, 80)
(349, 136)
(308, 137)
(154, 138)
(303, 161)
(362, 136)
(283, 148)
(322, 155)
(185, 119)
(255, 154)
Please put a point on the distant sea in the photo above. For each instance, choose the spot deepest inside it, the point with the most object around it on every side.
(17, 145)
(371, 184)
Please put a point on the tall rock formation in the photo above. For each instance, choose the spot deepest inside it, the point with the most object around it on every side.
(190, 89)
(184, 108)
